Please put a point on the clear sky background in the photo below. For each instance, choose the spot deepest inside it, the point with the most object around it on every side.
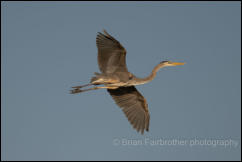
(47, 47)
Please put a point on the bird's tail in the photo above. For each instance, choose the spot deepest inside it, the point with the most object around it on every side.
(103, 79)
(97, 79)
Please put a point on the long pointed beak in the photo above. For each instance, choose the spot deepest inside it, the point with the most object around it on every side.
(177, 63)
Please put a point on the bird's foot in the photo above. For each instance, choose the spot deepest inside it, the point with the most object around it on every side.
(77, 87)
(77, 90)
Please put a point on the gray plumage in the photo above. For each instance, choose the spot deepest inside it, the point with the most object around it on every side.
(120, 83)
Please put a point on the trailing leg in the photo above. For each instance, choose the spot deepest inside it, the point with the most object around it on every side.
(85, 85)
(94, 88)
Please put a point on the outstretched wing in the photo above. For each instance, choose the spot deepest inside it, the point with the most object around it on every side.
(111, 54)
(133, 105)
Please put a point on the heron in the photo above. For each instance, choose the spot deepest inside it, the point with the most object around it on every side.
(119, 82)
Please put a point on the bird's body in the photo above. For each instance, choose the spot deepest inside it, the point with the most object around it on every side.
(119, 82)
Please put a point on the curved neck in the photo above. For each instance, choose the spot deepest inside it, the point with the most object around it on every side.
(152, 74)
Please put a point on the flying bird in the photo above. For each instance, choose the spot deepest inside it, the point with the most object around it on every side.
(119, 82)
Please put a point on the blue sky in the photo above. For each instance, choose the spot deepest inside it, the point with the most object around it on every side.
(50, 46)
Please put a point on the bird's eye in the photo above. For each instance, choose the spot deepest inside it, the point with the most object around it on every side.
(164, 62)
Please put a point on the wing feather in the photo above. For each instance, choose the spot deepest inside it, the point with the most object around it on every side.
(133, 105)
(111, 54)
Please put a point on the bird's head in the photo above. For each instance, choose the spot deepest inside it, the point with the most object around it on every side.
(169, 63)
